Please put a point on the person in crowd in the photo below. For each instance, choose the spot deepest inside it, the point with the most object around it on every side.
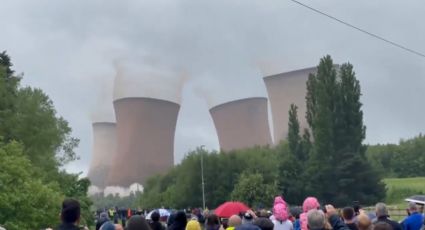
(297, 222)
(308, 204)
(247, 222)
(193, 225)
(212, 222)
(103, 217)
(264, 223)
(316, 220)
(108, 226)
(70, 215)
(382, 226)
(364, 222)
(179, 222)
(119, 227)
(280, 215)
(382, 216)
(170, 219)
(234, 221)
(333, 219)
(137, 222)
(348, 215)
(415, 220)
(154, 222)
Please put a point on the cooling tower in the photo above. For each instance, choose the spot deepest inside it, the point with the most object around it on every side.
(242, 123)
(145, 132)
(104, 149)
(283, 90)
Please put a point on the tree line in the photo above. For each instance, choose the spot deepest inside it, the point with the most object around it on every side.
(34, 145)
(405, 159)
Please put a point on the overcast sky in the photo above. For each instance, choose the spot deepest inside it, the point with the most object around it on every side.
(207, 52)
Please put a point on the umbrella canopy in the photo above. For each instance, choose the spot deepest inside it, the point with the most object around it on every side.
(230, 208)
(418, 199)
(162, 213)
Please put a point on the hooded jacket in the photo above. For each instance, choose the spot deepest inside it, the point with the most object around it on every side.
(309, 204)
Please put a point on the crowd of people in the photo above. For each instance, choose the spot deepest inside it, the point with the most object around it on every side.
(312, 216)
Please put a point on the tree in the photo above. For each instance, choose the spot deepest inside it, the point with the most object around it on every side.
(252, 190)
(320, 106)
(39, 142)
(292, 155)
(23, 195)
(8, 95)
(338, 158)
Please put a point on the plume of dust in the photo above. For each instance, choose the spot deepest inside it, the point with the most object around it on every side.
(103, 109)
(93, 190)
(203, 93)
(270, 67)
(149, 79)
(123, 191)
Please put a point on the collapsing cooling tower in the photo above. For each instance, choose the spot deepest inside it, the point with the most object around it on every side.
(104, 149)
(283, 90)
(145, 147)
(242, 123)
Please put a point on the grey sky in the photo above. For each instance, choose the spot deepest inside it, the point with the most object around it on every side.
(220, 49)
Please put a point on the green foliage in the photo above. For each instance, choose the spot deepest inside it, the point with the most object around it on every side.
(252, 190)
(25, 202)
(406, 159)
(182, 188)
(400, 188)
(338, 158)
(291, 158)
(36, 143)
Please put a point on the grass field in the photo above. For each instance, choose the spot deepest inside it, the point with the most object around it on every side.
(400, 188)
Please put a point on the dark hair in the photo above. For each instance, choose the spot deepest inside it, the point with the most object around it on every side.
(264, 223)
(348, 213)
(155, 216)
(70, 211)
(212, 220)
(137, 222)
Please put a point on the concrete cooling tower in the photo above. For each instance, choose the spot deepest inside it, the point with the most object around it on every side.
(242, 123)
(104, 149)
(145, 132)
(283, 90)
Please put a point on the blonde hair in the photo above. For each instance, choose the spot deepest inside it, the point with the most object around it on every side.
(363, 222)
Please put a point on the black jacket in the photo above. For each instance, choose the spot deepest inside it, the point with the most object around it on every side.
(66, 226)
(337, 223)
(395, 225)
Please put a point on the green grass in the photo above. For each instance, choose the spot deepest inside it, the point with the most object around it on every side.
(400, 188)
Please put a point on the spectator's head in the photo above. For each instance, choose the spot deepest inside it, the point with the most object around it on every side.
(264, 223)
(247, 218)
(70, 211)
(234, 221)
(363, 222)
(310, 203)
(381, 210)
(413, 207)
(212, 222)
(180, 219)
(348, 214)
(382, 226)
(155, 216)
(316, 219)
(137, 222)
(108, 226)
(193, 225)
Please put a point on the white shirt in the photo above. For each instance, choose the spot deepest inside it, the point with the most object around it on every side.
(284, 225)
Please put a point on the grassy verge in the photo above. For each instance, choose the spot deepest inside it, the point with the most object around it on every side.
(400, 188)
